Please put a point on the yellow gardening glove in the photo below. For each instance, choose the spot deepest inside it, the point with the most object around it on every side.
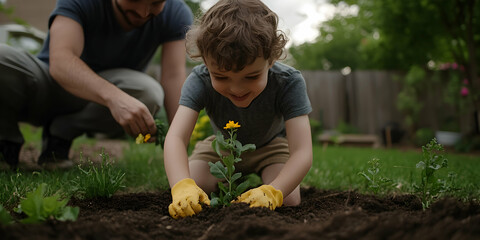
(263, 196)
(187, 198)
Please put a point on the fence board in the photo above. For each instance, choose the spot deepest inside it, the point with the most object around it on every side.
(367, 100)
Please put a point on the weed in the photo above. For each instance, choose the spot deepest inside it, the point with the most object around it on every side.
(5, 217)
(430, 186)
(101, 181)
(40, 208)
(374, 181)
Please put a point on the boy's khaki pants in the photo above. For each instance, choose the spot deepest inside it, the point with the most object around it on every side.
(29, 94)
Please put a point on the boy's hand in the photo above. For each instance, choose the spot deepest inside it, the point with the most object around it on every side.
(187, 198)
(263, 196)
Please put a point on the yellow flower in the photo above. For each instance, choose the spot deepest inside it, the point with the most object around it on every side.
(231, 125)
(204, 120)
(147, 137)
(140, 139)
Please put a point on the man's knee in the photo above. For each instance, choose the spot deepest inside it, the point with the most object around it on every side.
(5, 52)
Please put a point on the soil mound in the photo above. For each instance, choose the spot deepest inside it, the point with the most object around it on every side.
(321, 215)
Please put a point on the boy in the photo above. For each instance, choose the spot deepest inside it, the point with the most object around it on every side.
(240, 80)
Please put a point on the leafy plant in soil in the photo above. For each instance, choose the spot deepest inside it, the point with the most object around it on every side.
(225, 169)
(5, 217)
(374, 181)
(39, 208)
(431, 186)
(102, 181)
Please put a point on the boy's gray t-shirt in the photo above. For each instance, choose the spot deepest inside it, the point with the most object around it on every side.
(284, 97)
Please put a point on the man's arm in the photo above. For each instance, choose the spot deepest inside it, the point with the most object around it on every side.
(173, 74)
(74, 75)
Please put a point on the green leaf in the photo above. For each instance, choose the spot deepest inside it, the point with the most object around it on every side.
(162, 130)
(39, 208)
(5, 217)
(421, 165)
(242, 187)
(222, 187)
(215, 202)
(51, 205)
(33, 205)
(228, 161)
(218, 170)
(236, 176)
(249, 147)
(221, 140)
(365, 176)
(216, 147)
(69, 214)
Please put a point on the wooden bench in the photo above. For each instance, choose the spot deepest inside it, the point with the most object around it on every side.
(359, 140)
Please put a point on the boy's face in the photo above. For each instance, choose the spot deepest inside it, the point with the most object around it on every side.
(243, 86)
(134, 13)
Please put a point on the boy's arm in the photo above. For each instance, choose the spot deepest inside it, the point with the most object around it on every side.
(187, 197)
(292, 173)
(176, 143)
(301, 155)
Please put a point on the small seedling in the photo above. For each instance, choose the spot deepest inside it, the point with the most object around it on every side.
(39, 208)
(431, 186)
(102, 181)
(374, 181)
(225, 169)
(162, 129)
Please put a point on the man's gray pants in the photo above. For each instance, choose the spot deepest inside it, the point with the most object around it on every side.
(29, 94)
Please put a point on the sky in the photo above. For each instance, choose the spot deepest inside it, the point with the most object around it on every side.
(299, 19)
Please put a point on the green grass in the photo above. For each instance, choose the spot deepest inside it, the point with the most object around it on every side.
(334, 168)
(338, 167)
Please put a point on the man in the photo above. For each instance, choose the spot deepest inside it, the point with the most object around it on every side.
(89, 77)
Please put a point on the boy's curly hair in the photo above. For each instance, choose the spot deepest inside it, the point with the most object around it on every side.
(234, 33)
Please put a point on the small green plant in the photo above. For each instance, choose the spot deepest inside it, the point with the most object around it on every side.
(374, 181)
(39, 208)
(162, 129)
(431, 186)
(225, 168)
(102, 181)
(5, 217)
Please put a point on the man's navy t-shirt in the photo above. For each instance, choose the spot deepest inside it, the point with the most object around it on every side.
(108, 46)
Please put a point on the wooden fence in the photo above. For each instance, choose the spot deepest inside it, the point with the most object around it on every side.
(367, 100)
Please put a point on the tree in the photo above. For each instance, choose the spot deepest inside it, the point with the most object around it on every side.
(424, 33)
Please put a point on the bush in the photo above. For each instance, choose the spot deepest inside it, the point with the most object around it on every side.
(423, 136)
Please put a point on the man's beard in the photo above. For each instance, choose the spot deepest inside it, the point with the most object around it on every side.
(122, 12)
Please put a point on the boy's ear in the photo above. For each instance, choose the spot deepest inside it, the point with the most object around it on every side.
(273, 62)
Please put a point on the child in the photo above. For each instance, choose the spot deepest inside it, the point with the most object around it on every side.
(240, 80)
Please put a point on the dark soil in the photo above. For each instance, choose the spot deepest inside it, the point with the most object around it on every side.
(321, 215)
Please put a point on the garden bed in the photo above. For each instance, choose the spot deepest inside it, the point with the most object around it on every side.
(321, 215)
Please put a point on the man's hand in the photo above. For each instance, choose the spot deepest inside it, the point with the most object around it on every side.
(263, 196)
(187, 199)
(132, 115)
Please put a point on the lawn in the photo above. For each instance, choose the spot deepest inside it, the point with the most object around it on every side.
(334, 168)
